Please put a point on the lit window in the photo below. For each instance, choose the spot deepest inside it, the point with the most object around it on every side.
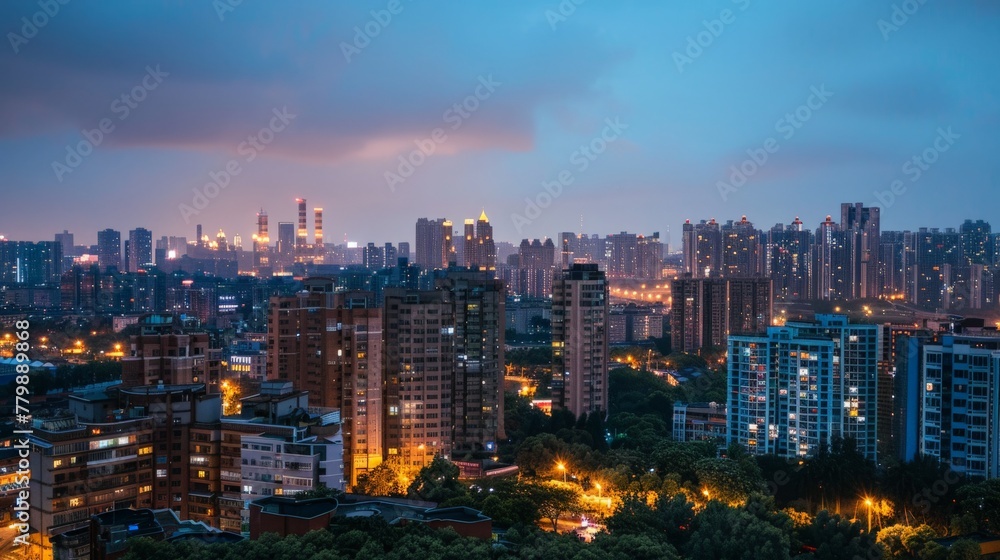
(930, 387)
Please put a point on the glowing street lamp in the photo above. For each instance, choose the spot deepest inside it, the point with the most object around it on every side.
(562, 468)
(868, 502)
(708, 495)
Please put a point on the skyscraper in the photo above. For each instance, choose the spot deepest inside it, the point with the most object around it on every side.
(140, 249)
(109, 249)
(330, 344)
(934, 249)
(478, 303)
(302, 233)
(976, 247)
(262, 246)
(286, 245)
(30, 264)
(833, 277)
(419, 374)
(790, 263)
(800, 386)
(433, 243)
(65, 239)
(741, 254)
(862, 225)
(534, 268)
(480, 249)
(580, 340)
(702, 248)
(705, 311)
(960, 404)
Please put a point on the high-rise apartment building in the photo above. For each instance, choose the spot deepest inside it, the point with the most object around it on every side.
(790, 261)
(140, 249)
(533, 275)
(480, 249)
(580, 340)
(166, 354)
(862, 224)
(478, 302)
(30, 264)
(960, 403)
(800, 386)
(419, 374)
(433, 243)
(833, 268)
(704, 311)
(741, 252)
(933, 250)
(702, 245)
(109, 249)
(330, 344)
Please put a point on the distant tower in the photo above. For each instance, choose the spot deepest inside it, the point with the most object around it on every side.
(318, 248)
(261, 243)
(318, 226)
(303, 231)
(198, 237)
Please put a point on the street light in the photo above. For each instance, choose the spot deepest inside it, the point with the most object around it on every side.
(598, 486)
(708, 495)
(562, 468)
(868, 502)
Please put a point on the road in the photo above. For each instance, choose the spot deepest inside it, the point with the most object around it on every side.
(7, 549)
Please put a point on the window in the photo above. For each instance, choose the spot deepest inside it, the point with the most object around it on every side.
(75, 502)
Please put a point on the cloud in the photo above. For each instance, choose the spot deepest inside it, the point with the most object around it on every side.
(226, 77)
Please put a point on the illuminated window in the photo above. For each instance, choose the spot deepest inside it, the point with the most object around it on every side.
(930, 387)
(75, 502)
(57, 463)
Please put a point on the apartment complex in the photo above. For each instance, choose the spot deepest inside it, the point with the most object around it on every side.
(800, 386)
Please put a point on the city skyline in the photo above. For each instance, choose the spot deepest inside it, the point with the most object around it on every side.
(669, 99)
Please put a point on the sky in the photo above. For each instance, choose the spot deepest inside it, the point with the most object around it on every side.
(552, 116)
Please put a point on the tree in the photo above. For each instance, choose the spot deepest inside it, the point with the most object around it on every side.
(836, 538)
(320, 492)
(554, 500)
(982, 501)
(387, 479)
(965, 549)
(722, 532)
(437, 482)
(729, 481)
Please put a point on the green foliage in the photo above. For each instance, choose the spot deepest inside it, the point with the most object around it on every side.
(836, 538)
(533, 356)
(438, 482)
(982, 501)
(730, 480)
(722, 532)
(639, 393)
(965, 549)
(387, 479)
